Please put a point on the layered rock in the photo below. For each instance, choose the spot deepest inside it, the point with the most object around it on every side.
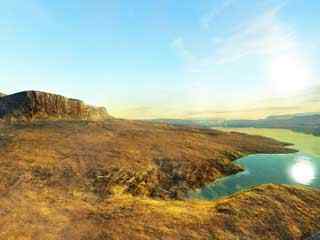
(31, 105)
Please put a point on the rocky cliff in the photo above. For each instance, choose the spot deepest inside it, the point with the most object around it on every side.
(32, 105)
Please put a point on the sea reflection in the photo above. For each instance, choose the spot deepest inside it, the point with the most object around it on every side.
(303, 171)
(298, 168)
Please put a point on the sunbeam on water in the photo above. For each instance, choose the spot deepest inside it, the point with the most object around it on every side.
(303, 171)
(296, 168)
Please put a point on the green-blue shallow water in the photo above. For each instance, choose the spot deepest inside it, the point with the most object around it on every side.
(298, 168)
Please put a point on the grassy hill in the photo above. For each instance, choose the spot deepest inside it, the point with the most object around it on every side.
(120, 179)
(65, 177)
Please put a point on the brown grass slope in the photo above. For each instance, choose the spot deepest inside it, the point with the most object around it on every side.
(145, 159)
(107, 180)
(266, 212)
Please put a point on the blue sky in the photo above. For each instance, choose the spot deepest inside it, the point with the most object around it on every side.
(214, 58)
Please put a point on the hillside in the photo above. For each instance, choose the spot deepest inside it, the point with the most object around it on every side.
(267, 212)
(75, 179)
(120, 179)
(143, 158)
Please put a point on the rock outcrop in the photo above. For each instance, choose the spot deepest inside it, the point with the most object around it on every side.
(35, 105)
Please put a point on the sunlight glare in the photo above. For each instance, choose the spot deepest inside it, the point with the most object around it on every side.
(303, 171)
(289, 74)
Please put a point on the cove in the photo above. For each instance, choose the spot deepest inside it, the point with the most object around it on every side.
(297, 168)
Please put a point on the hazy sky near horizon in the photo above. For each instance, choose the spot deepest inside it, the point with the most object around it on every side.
(211, 58)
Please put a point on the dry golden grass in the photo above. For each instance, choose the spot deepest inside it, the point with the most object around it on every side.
(146, 159)
(108, 180)
(266, 212)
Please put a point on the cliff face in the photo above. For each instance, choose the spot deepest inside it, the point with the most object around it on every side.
(31, 105)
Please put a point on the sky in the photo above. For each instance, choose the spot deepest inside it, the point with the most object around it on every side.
(166, 59)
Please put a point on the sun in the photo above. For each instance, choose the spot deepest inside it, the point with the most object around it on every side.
(289, 74)
(303, 171)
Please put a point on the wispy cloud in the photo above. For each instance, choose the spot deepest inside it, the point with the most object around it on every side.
(179, 45)
(208, 18)
(264, 34)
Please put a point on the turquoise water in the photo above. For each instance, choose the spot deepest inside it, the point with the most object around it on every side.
(298, 168)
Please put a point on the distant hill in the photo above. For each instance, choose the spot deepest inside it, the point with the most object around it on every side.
(2, 94)
(301, 122)
(191, 122)
(298, 122)
(32, 105)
